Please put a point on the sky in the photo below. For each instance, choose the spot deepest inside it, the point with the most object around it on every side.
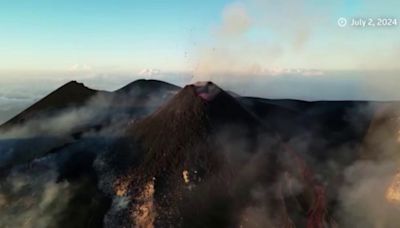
(278, 48)
(56, 35)
(174, 35)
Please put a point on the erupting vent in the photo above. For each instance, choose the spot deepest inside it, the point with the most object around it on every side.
(206, 90)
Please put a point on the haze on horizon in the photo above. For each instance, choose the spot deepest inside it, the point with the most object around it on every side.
(277, 49)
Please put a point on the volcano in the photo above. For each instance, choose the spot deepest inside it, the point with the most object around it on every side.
(152, 154)
(72, 94)
(200, 156)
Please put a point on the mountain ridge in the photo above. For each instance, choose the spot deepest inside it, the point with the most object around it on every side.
(197, 156)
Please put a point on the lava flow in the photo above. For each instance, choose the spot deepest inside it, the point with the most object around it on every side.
(393, 191)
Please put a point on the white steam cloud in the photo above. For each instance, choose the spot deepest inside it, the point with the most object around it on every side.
(234, 49)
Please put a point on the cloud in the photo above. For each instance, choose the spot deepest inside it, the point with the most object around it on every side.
(254, 35)
(80, 68)
(363, 202)
(235, 21)
(149, 72)
(62, 123)
(363, 199)
(285, 72)
(14, 97)
(32, 199)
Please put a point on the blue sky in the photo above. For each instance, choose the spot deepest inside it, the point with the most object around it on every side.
(186, 35)
(56, 34)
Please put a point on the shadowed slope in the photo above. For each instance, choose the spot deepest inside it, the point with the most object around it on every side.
(143, 94)
(147, 86)
(72, 94)
(189, 119)
(200, 157)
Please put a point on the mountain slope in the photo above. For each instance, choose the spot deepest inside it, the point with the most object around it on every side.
(147, 86)
(143, 94)
(155, 155)
(72, 94)
(200, 156)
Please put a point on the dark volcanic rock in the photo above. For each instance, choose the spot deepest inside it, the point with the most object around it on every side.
(154, 155)
(72, 94)
(200, 158)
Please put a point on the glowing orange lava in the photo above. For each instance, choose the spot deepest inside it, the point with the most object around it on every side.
(393, 191)
(145, 213)
(398, 136)
(121, 187)
(185, 175)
